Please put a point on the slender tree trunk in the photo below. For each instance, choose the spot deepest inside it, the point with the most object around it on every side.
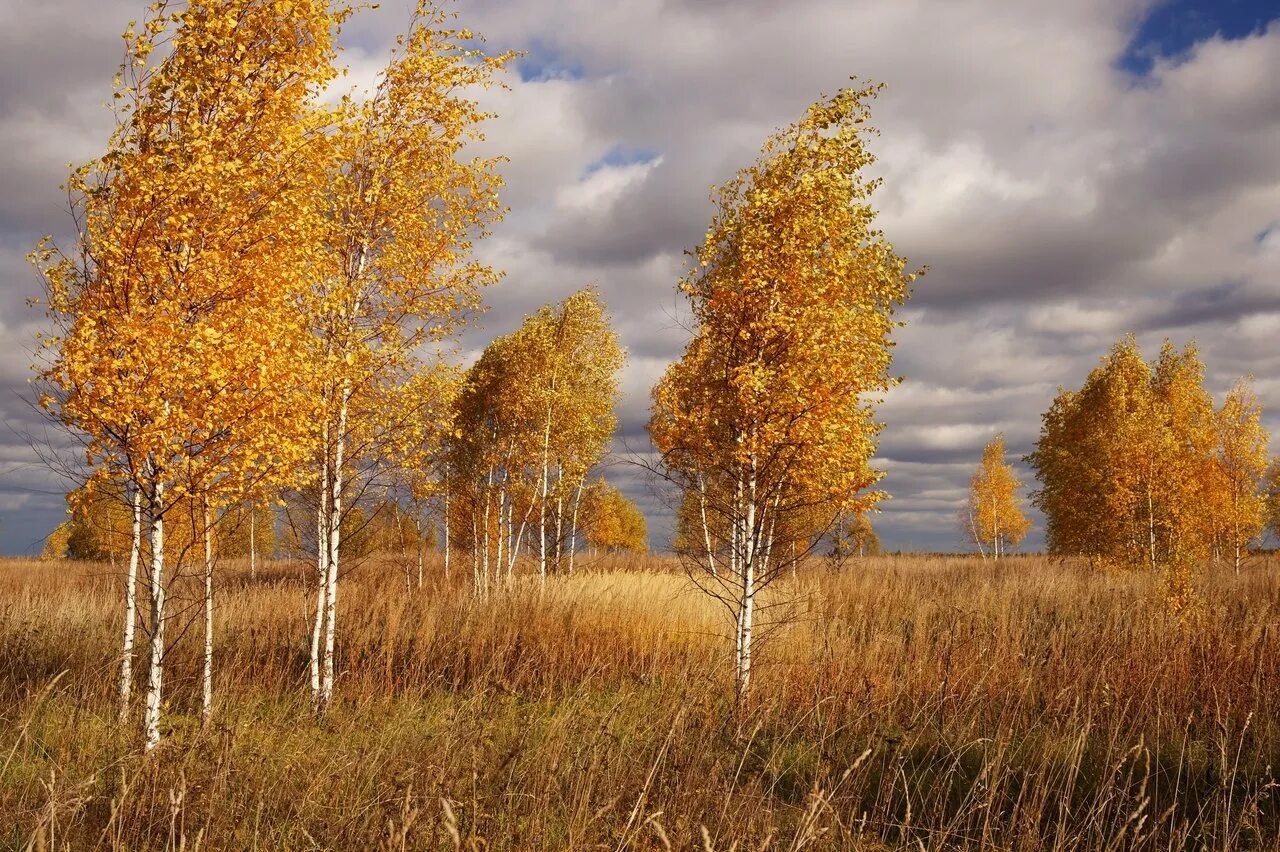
(488, 492)
(206, 702)
(747, 618)
(510, 541)
(130, 604)
(417, 529)
(573, 525)
(475, 553)
(155, 671)
(335, 544)
(322, 571)
(542, 502)
(977, 539)
(706, 528)
(253, 543)
(446, 534)
(513, 550)
(995, 530)
(1151, 519)
(1235, 525)
(559, 524)
(746, 606)
(503, 530)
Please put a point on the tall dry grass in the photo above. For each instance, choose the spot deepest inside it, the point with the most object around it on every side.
(915, 702)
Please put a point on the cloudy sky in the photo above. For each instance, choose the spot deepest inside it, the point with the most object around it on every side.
(1068, 171)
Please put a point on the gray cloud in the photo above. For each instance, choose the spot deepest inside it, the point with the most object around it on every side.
(1059, 200)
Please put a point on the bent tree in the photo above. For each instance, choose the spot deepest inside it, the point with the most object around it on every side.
(766, 423)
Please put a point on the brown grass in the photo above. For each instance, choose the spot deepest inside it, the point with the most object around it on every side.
(921, 702)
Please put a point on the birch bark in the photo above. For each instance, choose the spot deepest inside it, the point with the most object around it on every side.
(130, 604)
(155, 670)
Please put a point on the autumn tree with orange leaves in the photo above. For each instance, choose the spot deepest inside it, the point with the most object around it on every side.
(534, 417)
(400, 211)
(178, 338)
(993, 518)
(769, 414)
(1238, 474)
(612, 523)
(1138, 468)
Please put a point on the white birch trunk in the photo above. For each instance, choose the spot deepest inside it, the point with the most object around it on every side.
(542, 501)
(253, 543)
(503, 528)
(747, 604)
(995, 531)
(206, 693)
(335, 543)
(322, 570)
(475, 553)
(559, 522)
(513, 538)
(977, 539)
(446, 534)
(130, 604)
(514, 550)
(417, 530)
(155, 670)
(484, 574)
(573, 524)
(706, 528)
(745, 630)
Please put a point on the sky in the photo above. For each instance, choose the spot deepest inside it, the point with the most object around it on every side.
(1069, 173)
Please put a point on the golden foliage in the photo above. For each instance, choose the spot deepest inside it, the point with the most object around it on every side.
(181, 344)
(994, 518)
(793, 299)
(611, 522)
(1138, 468)
(535, 415)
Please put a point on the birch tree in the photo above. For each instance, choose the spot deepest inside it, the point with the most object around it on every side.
(611, 522)
(995, 519)
(177, 341)
(853, 535)
(420, 476)
(1239, 471)
(769, 414)
(577, 360)
(535, 415)
(402, 208)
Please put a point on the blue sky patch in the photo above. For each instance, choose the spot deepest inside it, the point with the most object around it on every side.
(542, 62)
(621, 155)
(1173, 27)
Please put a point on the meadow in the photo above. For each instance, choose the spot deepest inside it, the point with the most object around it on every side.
(913, 702)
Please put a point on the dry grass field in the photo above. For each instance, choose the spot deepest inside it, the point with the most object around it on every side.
(917, 702)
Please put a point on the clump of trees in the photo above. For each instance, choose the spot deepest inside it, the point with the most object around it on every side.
(534, 417)
(766, 423)
(613, 523)
(99, 528)
(993, 519)
(1139, 468)
(853, 535)
(256, 274)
